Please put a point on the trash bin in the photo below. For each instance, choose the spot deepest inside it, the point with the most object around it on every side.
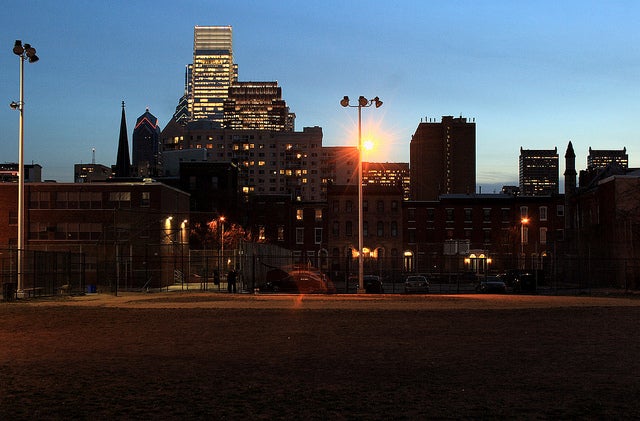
(9, 291)
(91, 289)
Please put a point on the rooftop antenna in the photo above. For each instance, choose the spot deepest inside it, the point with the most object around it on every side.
(93, 156)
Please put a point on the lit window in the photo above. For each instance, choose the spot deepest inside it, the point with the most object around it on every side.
(299, 214)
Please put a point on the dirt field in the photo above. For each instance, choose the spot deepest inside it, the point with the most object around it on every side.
(247, 357)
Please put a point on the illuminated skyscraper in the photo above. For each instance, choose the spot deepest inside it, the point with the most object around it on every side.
(211, 73)
(539, 172)
(599, 158)
(146, 145)
(257, 105)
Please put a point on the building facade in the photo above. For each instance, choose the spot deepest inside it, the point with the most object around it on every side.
(146, 146)
(257, 105)
(212, 72)
(91, 173)
(482, 233)
(131, 234)
(9, 172)
(382, 230)
(388, 174)
(538, 171)
(269, 162)
(600, 158)
(443, 158)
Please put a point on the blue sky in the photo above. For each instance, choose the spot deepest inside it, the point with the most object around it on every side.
(532, 74)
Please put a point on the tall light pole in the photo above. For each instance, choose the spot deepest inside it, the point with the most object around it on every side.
(362, 103)
(523, 222)
(23, 53)
(222, 262)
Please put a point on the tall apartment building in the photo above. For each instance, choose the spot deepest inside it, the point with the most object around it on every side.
(539, 172)
(212, 72)
(146, 145)
(257, 105)
(443, 158)
(269, 162)
(600, 158)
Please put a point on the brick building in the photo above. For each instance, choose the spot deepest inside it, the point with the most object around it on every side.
(131, 234)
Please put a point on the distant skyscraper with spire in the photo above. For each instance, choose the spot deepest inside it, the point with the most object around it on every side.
(146, 145)
(123, 162)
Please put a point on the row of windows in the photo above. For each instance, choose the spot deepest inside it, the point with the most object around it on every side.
(380, 229)
(65, 231)
(317, 235)
(348, 206)
(84, 200)
(317, 214)
(505, 236)
(487, 213)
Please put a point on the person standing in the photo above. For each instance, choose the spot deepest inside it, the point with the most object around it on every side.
(231, 281)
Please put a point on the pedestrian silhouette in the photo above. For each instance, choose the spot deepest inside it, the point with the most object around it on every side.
(231, 281)
(216, 277)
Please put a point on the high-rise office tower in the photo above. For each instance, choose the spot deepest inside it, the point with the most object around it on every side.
(539, 172)
(443, 158)
(600, 158)
(146, 145)
(257, 105)
(211, 73)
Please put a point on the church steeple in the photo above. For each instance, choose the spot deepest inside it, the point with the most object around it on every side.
(123, 162)
(570, 170)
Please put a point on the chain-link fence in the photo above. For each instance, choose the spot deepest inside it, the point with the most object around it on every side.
(51, 272)
(45, 273)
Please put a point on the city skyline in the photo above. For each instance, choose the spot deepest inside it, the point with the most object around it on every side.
(531, 75)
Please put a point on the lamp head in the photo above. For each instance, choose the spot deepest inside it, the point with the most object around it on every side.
(344, 101)
(377, 101)
(31, 53)
(362, 101)
(14, 105)
(17, 48)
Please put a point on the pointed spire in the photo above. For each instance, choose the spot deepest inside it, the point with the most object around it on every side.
(123, 162)
(570, 153)
(570, 184)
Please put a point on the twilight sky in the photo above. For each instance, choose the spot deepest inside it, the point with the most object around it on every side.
(534, 74)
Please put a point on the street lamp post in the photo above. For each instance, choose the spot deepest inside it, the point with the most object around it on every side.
(222, 262)
(362, 103)
(523, 222)
(23, 52)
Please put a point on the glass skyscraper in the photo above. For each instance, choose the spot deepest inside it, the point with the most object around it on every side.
(211, 73)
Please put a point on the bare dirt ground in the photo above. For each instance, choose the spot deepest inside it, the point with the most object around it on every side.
(246, 357)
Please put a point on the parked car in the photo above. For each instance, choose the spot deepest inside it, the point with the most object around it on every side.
(492, 285)
(416, 283)
(509, 276)
(297, 281)
(372, 284)
(525, 282)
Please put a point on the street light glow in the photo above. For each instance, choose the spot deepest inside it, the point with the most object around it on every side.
(362, 103)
